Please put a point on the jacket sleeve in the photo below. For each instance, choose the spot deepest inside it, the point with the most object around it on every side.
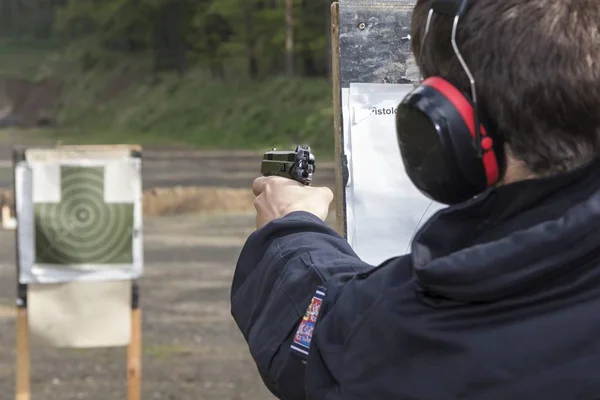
(278, 272)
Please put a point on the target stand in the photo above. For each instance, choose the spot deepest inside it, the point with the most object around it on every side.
(379, 209)
(79, 253)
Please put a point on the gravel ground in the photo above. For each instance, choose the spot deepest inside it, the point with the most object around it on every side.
(191, 346)
(192, 349)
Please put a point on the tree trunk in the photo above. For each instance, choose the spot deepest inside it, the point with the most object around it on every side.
(289, 38)
(250, 42)
(176, 40)
(7, 17)
(327, 14)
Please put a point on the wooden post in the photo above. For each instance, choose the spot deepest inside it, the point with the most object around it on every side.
(340, 190)
(134, 351)
(22, 391)
(23, 372)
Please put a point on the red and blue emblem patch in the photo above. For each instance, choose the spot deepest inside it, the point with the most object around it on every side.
(304, 334)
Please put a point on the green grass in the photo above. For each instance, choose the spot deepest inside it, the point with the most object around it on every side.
(194, 111)
(167, 351)
(121, 101)
(25, 59)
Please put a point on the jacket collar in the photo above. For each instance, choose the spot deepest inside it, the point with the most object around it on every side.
(510, 239)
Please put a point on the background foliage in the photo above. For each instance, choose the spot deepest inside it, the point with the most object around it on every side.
(212, 73)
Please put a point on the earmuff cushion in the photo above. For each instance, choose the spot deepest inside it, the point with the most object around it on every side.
(465, 108)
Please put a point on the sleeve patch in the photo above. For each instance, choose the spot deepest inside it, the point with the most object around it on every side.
(303, 336)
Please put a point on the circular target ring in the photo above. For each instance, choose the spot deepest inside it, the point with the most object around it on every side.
(82, 227)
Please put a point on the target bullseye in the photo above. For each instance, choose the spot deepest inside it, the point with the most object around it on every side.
(83, 216)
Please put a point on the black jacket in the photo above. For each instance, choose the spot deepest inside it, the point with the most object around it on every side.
(499, 299)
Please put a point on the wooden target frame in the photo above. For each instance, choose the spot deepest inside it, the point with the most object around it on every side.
(133, 366)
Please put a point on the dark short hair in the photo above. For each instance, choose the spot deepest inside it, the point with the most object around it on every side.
(537, 68)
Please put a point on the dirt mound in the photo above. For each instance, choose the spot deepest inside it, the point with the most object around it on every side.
(200, 200)
(28, 104)
(185, 200)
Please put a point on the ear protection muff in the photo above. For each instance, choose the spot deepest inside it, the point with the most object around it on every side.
(443, 157)
(448, 150)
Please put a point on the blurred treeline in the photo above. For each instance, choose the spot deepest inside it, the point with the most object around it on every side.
(262, 38)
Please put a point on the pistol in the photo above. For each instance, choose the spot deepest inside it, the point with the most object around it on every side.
(298, 165)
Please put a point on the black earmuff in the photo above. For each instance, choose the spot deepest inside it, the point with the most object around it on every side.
(448, 151)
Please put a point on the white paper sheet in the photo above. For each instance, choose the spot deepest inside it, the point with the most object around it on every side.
(80, 314)
(383, 207)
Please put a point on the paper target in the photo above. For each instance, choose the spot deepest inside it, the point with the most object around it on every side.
(82, 228)
(79, 214)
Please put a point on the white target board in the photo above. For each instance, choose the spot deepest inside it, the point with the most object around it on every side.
(382, 209)
(79, 215)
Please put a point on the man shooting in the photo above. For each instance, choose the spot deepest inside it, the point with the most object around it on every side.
(499, 297)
